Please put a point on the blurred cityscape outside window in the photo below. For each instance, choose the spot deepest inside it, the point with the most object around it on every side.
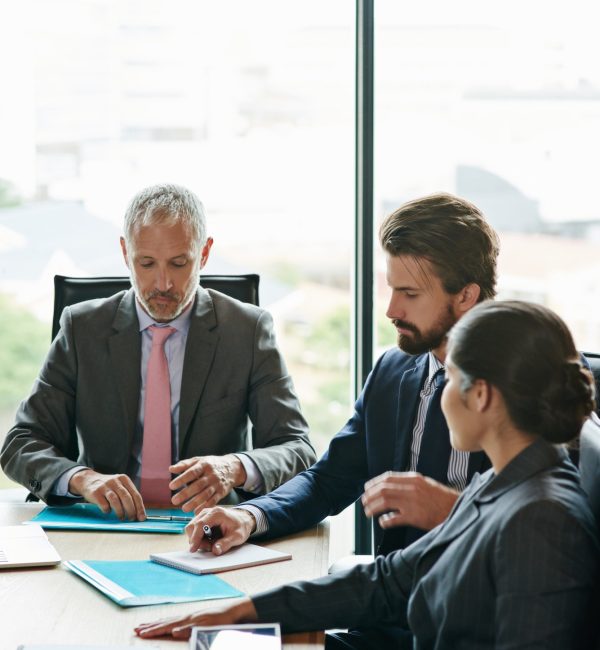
(250, 104)
(499, 103)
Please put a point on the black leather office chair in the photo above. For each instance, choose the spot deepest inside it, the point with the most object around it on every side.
(589, 463)
(594, 361)
(68, 291)
(589, 469)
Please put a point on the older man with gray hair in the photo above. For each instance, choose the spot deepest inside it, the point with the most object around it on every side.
(144, 397)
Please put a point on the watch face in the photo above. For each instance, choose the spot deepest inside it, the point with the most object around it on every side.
(259, 636)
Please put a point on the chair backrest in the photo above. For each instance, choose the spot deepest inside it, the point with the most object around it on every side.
(593, 359)
(68, 291)
(589, 463)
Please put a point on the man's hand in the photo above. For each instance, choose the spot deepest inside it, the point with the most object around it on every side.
(204, 480)
(180, 627)
(407, 499)
(109, 492)
(236, 525)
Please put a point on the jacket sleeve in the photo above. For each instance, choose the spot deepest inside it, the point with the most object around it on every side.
(367, 595)
(42, 444)
(280, 444)
(326, 488)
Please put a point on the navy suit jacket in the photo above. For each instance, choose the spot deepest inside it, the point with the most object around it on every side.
(376, 439)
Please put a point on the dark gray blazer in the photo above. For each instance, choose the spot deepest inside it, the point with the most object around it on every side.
(83, 407)
(515, 565)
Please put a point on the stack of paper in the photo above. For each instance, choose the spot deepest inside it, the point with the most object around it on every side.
(23, 546)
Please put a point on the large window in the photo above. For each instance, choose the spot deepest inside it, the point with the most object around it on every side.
(499, 104)
(250, 104)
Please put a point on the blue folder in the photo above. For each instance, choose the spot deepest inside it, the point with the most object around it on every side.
(87, 516)
(141, 582)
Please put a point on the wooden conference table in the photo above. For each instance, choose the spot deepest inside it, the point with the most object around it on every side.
(52, 605)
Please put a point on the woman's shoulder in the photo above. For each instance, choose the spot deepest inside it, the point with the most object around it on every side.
(552, 498)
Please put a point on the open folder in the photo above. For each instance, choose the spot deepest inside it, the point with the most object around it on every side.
(141, 582)
(87, 516)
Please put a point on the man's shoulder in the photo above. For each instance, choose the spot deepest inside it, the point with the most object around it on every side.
(396, 361)
(227, 307)
(100, 311)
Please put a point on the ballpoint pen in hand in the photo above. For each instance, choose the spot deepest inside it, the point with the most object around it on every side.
(212, 534)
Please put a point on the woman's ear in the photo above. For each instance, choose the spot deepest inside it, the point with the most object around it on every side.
(481, 394)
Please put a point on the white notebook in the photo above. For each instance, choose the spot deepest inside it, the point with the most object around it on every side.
(205, 562)
(23, 546)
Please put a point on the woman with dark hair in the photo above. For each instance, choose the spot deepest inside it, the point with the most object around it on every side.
(515, 565)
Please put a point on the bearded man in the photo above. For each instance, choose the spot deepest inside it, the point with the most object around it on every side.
(394, 452)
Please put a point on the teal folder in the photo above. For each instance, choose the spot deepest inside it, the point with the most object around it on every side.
(87, 516)
(141, 582)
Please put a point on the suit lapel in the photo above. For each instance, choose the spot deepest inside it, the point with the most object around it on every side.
(463, 515)
(408, 402)
(538, 457)
(200, 350)
(125, 355)
(435, 444)
(466, 517)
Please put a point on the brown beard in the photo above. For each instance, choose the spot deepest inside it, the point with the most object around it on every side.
(422, 342)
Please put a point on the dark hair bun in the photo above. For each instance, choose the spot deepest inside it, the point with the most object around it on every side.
(565, 402)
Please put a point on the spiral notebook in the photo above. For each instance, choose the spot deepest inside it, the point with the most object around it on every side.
(205, 562)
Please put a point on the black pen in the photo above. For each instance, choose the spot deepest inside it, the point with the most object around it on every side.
(212, 534)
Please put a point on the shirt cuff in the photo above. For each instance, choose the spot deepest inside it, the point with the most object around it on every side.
(262, 525)
(61, 485)
(254, 481)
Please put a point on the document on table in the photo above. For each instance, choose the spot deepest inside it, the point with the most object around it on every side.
(25, 546)
(87, 516)
(205, 562)
(43, 646)
(141, 582)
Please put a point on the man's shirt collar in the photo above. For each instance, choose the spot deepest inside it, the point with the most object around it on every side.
(434, 365)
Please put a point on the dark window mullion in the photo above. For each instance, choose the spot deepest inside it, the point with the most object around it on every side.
(363, 279)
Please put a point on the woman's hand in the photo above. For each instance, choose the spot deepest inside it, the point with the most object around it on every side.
(181, 627)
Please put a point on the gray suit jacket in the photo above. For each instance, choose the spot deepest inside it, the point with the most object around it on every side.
(83, 407)
(515, 565)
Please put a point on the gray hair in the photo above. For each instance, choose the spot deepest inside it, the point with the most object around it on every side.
(166, 204)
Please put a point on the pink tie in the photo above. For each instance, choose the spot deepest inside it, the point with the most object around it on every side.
(156, 449)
